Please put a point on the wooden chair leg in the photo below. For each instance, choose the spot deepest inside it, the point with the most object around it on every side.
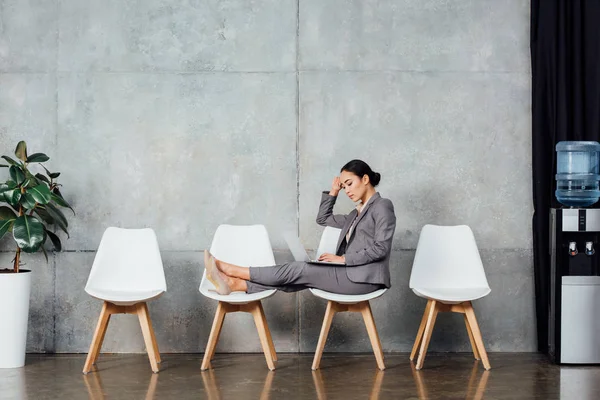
(473, 344)
(102, 337)
(98, 338)
(212, 356)
(144, 317)
(214, 336)
(269, 337)
(154, 342)
(470, 313)
(329, 313)
(261, 327)
(427, 334)
(373, 335)
(419, 337)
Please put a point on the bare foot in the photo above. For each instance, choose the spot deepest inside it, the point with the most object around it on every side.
(223, 267)
(236, 284)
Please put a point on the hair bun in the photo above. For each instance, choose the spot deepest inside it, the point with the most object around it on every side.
(376, 178)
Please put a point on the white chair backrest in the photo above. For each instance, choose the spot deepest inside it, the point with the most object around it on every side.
(447, 257)
(329, 240)
(128, 259)
(243, 245)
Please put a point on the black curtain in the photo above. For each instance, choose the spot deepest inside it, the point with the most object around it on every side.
(565, 66)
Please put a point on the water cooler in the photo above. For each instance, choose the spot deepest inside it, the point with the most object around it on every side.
(574, 320)
(574, 328)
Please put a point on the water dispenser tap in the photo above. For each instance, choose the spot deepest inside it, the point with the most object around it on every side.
(573, 249)
(589, 248)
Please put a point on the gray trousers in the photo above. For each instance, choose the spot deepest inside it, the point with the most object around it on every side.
(298, 275)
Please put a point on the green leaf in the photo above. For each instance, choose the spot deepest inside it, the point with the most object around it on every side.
(21, 151)
(43, 214)
(33, 181)
(58, 216)
(17, 174)
(59, 199)
(55, 240)
(28, 233)
(44, 251)
(7, 218)
(12, 196)
(7, 213)
(41, 193)
(37, 158)
(5, 226)
(42, 178)
(10, 160)
(28, 201)
(52, 175)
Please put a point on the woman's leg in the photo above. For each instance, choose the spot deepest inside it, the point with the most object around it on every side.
(293, 276)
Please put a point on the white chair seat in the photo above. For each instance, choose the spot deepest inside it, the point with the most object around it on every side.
(208, 290)
(451, 295)
(346, 298)
(124, 297)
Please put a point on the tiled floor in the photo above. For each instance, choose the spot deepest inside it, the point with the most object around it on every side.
(342, 376)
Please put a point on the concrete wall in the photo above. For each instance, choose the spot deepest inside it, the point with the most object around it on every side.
(181, 116)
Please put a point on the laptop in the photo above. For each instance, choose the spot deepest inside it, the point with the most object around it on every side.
(299, 252)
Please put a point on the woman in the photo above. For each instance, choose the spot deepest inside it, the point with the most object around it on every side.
(364, 247)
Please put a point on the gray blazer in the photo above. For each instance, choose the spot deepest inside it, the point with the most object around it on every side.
(368, 253)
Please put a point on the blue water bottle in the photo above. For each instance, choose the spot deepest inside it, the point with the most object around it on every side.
(577, 177)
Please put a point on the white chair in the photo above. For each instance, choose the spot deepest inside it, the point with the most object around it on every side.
(342, 302)
(127, 272)
(245, 246)
(447, 271)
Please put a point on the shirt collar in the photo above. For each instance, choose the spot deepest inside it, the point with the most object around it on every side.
(360, 206)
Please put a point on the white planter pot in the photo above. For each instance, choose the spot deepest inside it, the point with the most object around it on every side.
(14, 315)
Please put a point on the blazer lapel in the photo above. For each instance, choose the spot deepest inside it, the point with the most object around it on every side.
(352, 215)
(344, 231)
(364, 210)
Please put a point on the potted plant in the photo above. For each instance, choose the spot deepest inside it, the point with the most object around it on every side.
(29, 213)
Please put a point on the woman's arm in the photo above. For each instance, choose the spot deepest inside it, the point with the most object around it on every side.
(325, 217)
(385, 225)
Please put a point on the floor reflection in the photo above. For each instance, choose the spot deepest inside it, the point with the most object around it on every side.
(211, 385)
(348, 377)
(579, 383)
(13, 384)
(322, 392)
(96, 390)
(475, 388)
